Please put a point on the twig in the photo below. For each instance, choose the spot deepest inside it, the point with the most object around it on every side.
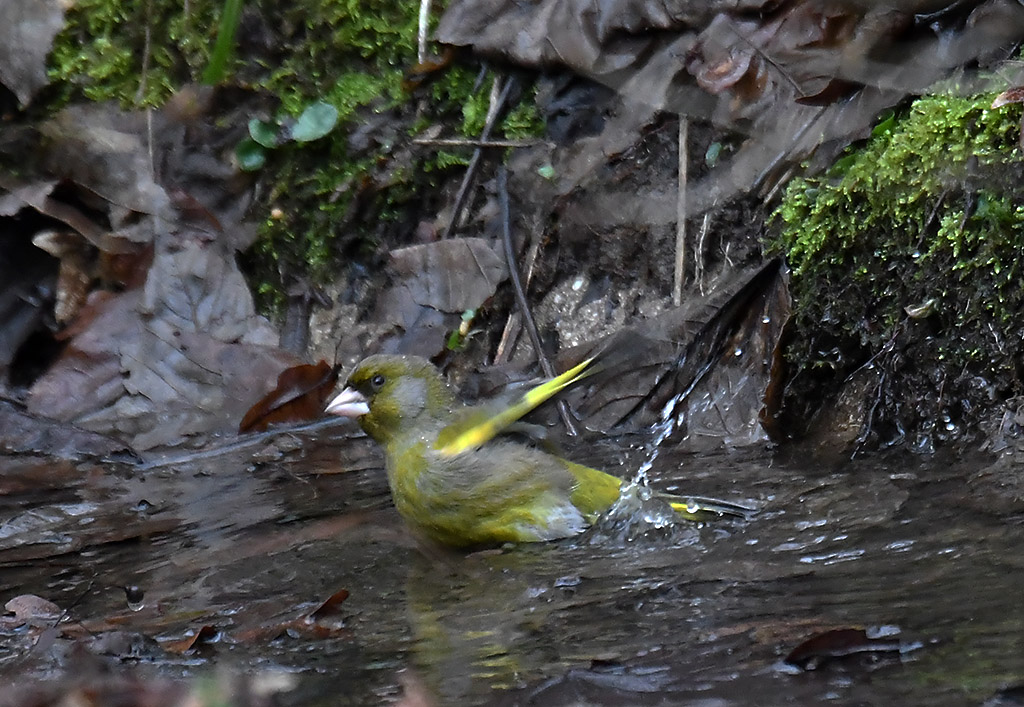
(469, 142)
(497, 104)
(140, 94)
(514, 325)
(764, 55)
(680, 272)
(517, 286)
(421, 46)
(698, 258)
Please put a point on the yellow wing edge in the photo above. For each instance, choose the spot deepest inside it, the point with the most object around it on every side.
(489, 428)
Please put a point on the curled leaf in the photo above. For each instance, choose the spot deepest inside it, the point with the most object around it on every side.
(250, 155)
(315, 122)
(1010, 95)
(263, 133)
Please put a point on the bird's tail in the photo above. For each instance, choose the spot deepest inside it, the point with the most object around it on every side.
(701, 508)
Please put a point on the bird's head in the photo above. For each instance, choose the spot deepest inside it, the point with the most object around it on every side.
(391, 395)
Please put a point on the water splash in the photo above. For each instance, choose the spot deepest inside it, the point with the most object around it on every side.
(637, 513)
(667, 423)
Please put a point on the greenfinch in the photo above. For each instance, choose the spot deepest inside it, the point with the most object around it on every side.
(454, 480)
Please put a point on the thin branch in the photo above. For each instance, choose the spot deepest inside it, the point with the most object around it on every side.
(517, 286)
(421, 46)
(698, 260)
(497, 104)
(764, 55)
(680, 271)
(469, 142)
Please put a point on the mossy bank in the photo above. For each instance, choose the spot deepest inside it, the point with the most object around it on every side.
(324, 205)
(906, 263)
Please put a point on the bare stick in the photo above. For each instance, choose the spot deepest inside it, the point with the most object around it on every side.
(421, 47)
(680, 272)
(508, 338)
(497, 103)
(468, 142)
(698, 257)
(517, 286)
(514, 325)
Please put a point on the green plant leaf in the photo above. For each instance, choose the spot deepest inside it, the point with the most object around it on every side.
(263, 133)
(225, 44)
(315, 122)
(251, 155)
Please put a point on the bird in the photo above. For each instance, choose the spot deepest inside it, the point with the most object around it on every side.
(457, 481)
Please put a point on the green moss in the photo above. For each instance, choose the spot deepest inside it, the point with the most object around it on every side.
(101, 52)
(928, 210)
(350, 53)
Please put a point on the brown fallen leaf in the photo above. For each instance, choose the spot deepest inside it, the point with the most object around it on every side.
(1012, 95)
(32, 609)
(330, 607)
(842, 643)
(203, 636)
(309, 625)
(300, 395)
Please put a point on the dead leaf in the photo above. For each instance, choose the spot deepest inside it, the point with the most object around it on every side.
(21, 433)
(185, 355)
(27, 30)
(451, 275)
(433, 284)
(718, 352)
(101, 148)
(300, 395)
(330, 607)
(34, 610)
(742, 65)
(205, 635)
(1010, 95)
(843, 643)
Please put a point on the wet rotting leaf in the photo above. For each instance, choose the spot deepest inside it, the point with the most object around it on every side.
(300, 396)
(844, 643)
(1008, 97)
(23, 433)
(792, 77)
(433, 284)
(719, 353)
(331, 606)
(27, 30)
(322, 623)
(34, 610)
(206, 635)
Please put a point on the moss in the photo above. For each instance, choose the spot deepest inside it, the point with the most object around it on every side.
(103, 48)
(926, 212)
(331, 201)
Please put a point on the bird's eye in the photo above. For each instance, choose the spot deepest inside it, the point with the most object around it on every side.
(377, 381)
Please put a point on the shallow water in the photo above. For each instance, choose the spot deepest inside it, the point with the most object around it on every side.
(627, 614)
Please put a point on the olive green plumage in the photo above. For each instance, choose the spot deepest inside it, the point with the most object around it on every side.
(454, 481)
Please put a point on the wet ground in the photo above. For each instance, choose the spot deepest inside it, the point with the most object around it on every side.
(251, 541)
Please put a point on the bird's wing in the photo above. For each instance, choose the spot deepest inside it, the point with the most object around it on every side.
(476, 426)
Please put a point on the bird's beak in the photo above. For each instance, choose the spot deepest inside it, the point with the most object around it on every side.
(348, 403)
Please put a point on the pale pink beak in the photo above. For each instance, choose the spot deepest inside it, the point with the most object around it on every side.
(348, 403)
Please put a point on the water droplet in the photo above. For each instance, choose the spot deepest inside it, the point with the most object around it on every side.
(135, 596)
(738, 352)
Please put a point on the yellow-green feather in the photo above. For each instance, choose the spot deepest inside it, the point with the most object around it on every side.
(456, 439)
(595, 490)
